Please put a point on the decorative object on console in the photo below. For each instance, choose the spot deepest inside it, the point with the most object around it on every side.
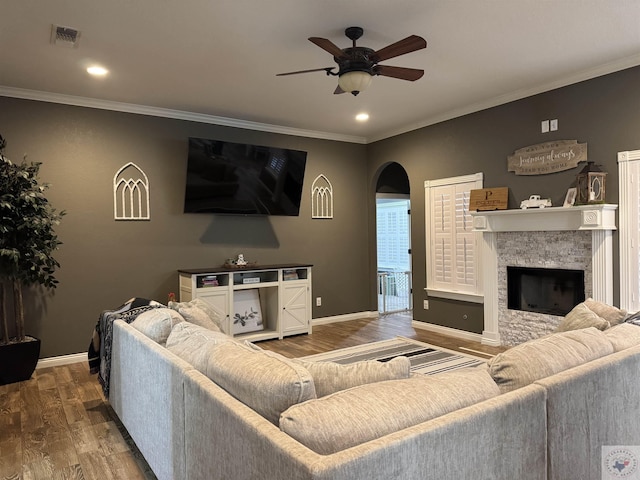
(534, 201)
(321, 198)
(247, 312)
(591, 185)
(548, 157)
(239, 262)
(131, 195)
(570, 198)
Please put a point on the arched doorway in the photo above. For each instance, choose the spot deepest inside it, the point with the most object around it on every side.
(393, 239)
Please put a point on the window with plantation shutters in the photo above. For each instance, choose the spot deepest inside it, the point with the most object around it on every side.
(452, 245)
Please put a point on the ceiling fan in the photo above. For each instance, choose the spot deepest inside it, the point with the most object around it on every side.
(358, 65)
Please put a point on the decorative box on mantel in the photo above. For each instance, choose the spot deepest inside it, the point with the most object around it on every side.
(546, 225)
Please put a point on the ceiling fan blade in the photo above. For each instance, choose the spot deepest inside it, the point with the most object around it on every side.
(326, 69)
(409, 44)
(411, 74)
(328, 46)
(338, 90)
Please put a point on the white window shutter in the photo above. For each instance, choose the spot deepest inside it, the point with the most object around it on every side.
(465, 239)
(452, 243)
(442, 232)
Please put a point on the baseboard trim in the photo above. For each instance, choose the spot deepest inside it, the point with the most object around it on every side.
(343, 318)
(61, 360)
(452, 332)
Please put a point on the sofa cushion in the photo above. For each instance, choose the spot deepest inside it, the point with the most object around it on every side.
(331, 377)
(157, 323)
(623, 336)
(188, 339)
(580, 317)
(199, 312)
(545, 356)
(611, 314)
(366, 412)
(267, 382)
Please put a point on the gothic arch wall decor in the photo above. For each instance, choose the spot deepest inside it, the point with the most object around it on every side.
(131, 193)
(321, 198)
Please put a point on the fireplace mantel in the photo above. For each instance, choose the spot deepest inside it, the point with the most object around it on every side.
(598, 219)
(583, 217)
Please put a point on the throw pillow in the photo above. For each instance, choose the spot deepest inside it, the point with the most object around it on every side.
(199, 312)
(582, 316)
(192, 343)
(265, 381)
(610, 313)
(157, 323)
(623, 336)
(344, 419)
(331, 377)
(540, 358)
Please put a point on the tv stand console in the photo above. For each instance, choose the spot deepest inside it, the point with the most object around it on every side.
(256, 303)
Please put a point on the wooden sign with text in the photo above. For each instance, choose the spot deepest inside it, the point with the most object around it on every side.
(489, 199)
(549, 157)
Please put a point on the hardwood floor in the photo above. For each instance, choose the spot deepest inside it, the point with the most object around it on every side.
(57, 425)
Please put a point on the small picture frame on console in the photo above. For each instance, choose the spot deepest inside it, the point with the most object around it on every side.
(570, 198)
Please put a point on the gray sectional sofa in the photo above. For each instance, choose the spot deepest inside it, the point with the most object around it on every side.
(189, 427)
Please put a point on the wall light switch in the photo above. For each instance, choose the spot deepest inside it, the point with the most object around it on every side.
(553, 124)
(544, 126)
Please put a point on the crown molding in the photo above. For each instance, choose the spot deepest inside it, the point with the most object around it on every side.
(605, 69)
(173, 114)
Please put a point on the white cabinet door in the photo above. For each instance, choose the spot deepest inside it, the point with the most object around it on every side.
(218, 298)
(296, 307)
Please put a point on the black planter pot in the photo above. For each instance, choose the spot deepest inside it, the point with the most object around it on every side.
(18, 360)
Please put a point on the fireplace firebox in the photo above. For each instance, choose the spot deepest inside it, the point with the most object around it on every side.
(550, 291)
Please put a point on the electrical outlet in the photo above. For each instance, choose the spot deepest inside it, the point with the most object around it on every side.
(426, 304)
(553, 124)
(318, 301)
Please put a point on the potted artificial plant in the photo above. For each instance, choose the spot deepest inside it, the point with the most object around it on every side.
(27, 242)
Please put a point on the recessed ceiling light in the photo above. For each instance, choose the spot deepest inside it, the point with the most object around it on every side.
(362, 117)
(97, 71)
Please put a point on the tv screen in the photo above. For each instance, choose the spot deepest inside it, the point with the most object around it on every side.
(241, 179)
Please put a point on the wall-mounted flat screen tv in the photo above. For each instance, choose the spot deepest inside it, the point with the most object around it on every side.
(241, 179)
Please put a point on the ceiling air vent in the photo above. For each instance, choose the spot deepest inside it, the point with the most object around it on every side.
(64, 36)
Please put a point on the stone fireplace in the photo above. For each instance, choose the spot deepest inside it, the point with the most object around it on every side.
(559, 239)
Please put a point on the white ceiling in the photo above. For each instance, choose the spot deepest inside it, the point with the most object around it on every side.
(219, 58)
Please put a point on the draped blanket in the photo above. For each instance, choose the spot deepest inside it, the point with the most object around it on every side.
(99, 352)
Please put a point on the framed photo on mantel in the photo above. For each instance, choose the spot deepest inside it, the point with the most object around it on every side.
(570, 197)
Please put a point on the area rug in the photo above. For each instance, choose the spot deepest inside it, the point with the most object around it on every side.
(425, 358)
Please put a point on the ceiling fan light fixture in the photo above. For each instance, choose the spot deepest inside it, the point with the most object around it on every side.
(354, 82)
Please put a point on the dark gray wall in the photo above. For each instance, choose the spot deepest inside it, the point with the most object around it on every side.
(105, 262)
(603, 112)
